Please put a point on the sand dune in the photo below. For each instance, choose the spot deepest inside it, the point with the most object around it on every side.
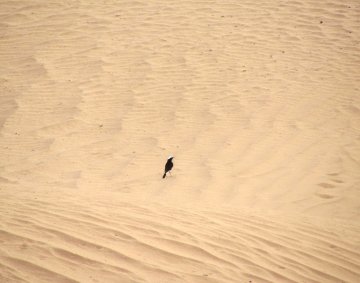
(115, 241)
(258, 102)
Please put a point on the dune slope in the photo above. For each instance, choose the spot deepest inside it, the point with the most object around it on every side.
(258, 102)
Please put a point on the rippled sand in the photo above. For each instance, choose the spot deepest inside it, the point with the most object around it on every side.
(258, 102)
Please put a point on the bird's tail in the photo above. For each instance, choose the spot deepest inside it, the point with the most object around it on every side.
(164, 175)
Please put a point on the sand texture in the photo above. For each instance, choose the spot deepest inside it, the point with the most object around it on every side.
(259, 102)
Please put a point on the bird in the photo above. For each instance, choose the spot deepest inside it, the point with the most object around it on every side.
(168, 166)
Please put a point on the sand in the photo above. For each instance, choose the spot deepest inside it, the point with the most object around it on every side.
(259, 102)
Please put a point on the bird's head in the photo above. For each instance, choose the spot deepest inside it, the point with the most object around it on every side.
(170, 157)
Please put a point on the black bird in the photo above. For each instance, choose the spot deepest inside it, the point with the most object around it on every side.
(168, 166)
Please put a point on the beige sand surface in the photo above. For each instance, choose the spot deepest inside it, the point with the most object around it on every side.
(259, 102)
